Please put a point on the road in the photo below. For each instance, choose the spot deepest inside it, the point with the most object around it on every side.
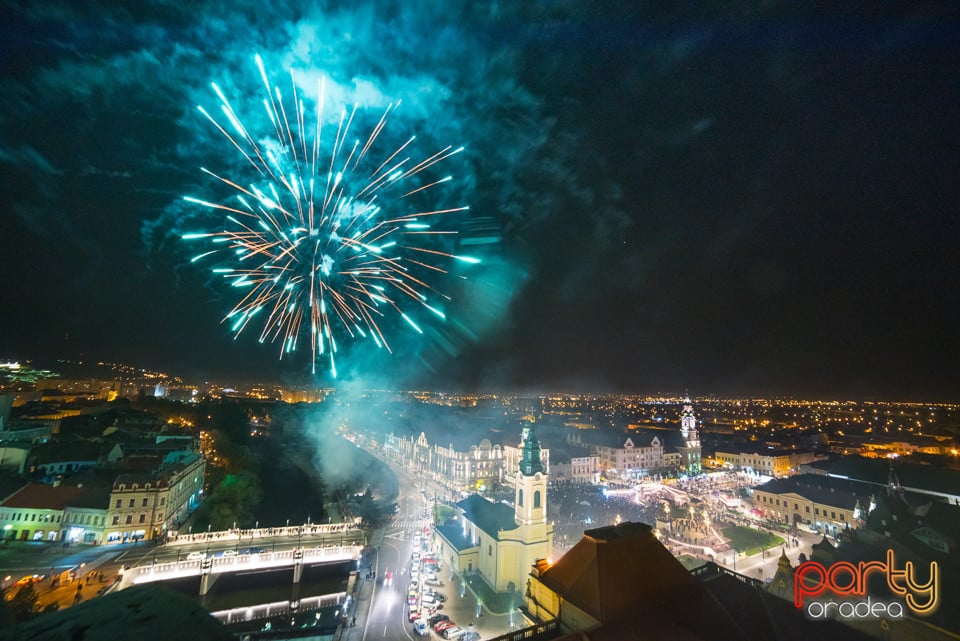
(382, 613)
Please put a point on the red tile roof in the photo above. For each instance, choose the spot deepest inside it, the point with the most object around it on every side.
(43, 497)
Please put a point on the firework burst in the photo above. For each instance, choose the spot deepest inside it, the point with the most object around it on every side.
(327, 243)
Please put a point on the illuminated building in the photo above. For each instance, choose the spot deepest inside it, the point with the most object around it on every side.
(496, 541)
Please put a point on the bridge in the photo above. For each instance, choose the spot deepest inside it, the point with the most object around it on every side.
(209, 569)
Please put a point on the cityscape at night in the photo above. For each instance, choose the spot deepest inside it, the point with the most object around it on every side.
(479, 321)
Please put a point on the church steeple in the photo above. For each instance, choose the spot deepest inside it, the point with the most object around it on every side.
(531, 463)
(530, 506)
(688, 420)
(690, 451)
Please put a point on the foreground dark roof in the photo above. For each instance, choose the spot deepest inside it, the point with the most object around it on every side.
(623, 577)
(142, 612)
(488, 516)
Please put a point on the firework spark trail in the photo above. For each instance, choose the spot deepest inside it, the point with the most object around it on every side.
(326, 249)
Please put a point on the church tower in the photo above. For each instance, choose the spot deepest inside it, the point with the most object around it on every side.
(690, 450)
(530, 504)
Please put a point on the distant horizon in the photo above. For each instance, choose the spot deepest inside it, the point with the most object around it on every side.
(347, 386)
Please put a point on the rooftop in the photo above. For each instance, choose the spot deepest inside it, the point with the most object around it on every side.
(826, 490)
(490, 517)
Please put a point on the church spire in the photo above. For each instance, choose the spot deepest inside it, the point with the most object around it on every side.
(531, 463)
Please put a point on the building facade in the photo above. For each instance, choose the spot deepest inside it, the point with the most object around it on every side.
(147, 505)
(822, 504)
(38, 512)
(630, 461)
(766, 462)
(478, 469)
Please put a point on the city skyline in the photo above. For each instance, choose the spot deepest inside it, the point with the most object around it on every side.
(754, 202)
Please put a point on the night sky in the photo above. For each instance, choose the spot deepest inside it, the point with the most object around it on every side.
(750, 200)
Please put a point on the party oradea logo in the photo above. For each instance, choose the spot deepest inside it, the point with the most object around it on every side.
(840, 591)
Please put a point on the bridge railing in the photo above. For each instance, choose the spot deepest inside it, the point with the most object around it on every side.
(307, 529)
(267, 610)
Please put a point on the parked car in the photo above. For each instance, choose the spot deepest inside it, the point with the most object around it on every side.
(443, 625)
(470, 635)
(414, 613)
(434, 582)
(452, 633)
(420, 627)
(196, 556)
(437, 618)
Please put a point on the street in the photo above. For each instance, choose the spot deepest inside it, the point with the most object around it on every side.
(382, 610)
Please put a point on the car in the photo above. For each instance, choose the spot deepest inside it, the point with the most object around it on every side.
(435, 582)
(437, 618)
(471, 635)
(28, 580)
(387, 578)
(440, 626)
(229, 553)
(452, 633)
(411, 598)
(414, 613)
(196, 556)
(420, 628)
(429, 599)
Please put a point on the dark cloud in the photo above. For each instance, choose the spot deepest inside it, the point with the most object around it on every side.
(672, 197)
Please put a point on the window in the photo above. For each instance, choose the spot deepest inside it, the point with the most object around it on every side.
(143, 518)
(119, 503)
(520, 498)
(129, 519)
(163, 500)
(489, 550)
(833, 514)
(807, 508)
(816, 511)
(843, 517)
(116, 520)
(131, 502)
(536, 499)
(144, 503)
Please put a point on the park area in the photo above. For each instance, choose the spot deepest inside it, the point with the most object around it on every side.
(749, 541)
